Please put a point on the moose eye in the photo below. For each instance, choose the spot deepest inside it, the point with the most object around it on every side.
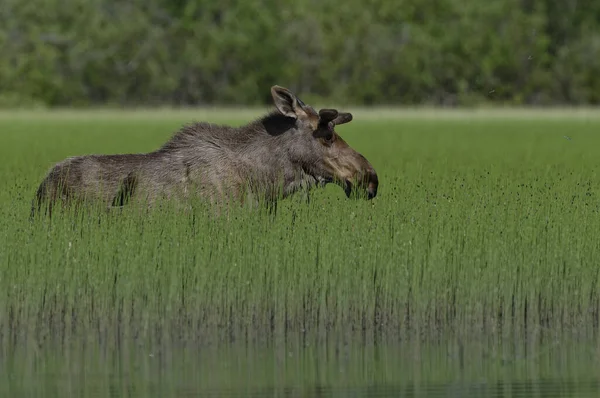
(326, 133)
(329, 136)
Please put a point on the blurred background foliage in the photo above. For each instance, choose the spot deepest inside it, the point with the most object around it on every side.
(229, 52)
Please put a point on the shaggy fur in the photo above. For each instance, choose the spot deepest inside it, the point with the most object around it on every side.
(286, 150)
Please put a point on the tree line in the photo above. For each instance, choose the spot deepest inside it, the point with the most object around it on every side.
(381, 52)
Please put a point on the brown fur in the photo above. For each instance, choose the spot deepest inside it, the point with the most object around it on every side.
(289, 149)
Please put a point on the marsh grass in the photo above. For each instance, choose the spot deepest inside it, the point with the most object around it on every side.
(480, 227)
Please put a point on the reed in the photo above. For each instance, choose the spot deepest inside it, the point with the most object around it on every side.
(480, 227)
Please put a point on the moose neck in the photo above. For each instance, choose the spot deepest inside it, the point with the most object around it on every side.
(274, 124)
(270, 148)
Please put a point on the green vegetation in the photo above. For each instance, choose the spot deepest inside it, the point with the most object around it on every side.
(481, 225)
(451, 52)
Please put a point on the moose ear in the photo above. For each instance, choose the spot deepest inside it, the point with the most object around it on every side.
(285, 101)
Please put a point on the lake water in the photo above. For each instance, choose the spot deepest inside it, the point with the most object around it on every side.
(300, 367)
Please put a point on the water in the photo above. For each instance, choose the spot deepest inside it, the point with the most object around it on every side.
(302, 367)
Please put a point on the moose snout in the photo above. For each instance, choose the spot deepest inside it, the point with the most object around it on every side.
(372, 185)
(354, 173)
(365, 180)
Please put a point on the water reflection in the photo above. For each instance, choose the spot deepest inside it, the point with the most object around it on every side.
(319, 368)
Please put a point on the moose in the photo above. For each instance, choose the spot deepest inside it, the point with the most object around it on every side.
(289, 149)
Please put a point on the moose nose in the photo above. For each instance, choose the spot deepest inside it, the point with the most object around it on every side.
(372, 190)
(372, 186)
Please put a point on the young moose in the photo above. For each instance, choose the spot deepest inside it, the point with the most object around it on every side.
(286, 150)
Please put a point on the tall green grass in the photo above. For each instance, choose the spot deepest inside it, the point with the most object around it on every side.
(481, 226)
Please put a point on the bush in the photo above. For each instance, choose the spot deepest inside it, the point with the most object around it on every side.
(443, 52)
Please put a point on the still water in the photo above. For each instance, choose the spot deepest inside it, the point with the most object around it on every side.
(301, 367)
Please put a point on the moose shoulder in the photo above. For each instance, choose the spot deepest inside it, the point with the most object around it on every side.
(291, 148)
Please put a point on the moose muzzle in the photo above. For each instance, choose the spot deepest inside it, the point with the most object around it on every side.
(372, 185)
(362, 181)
